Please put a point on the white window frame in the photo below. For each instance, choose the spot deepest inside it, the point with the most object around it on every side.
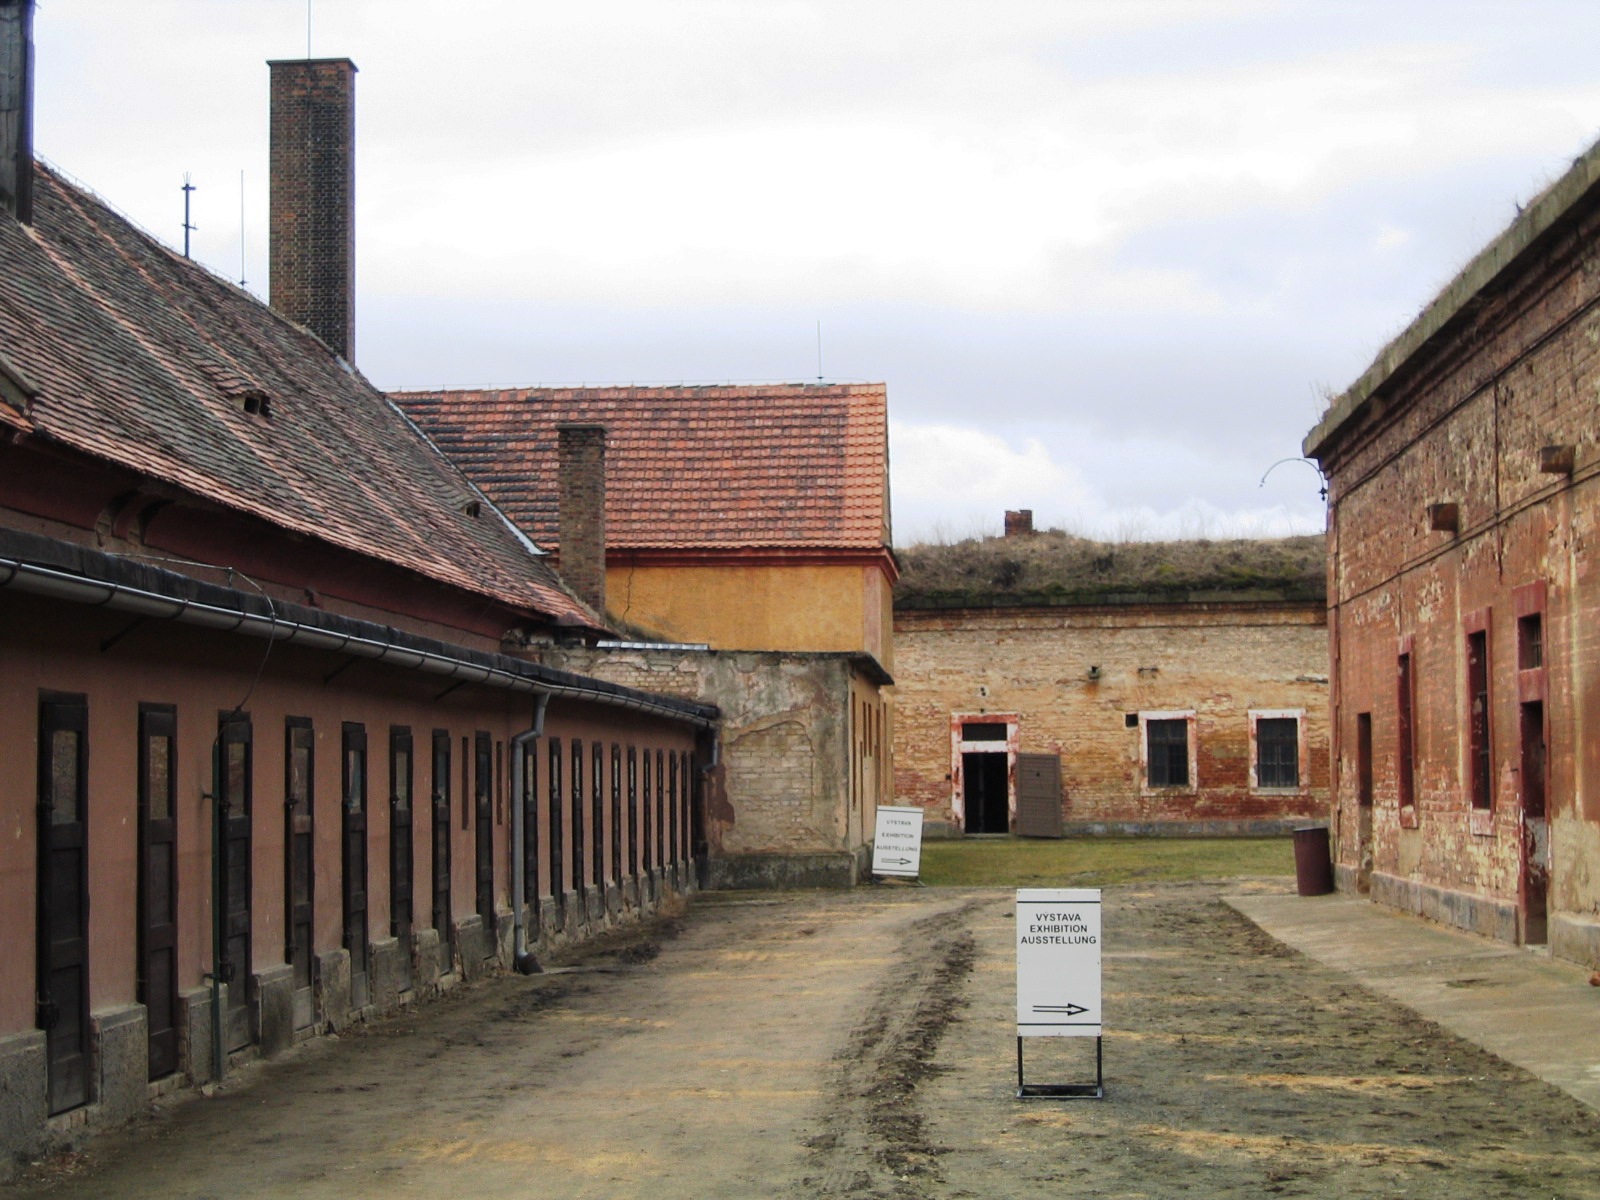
(1145, 788)
(1258, 715)
(958, 800)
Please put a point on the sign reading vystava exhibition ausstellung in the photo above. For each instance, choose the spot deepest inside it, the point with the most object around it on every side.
(897, 842)
(1058, 962)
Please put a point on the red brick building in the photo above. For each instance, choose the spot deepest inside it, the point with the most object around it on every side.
(1180, 691)
(277, 754)
(1461, 470)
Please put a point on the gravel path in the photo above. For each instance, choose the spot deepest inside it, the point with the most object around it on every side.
(861, 1045)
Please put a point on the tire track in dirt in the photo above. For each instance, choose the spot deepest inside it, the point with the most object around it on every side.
(874, 1141)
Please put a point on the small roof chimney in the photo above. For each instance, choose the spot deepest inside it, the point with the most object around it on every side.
(1019, 523)
(581, 510)
(312, 253)
(16, 109)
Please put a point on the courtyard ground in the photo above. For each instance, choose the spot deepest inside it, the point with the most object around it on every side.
(862, 1044)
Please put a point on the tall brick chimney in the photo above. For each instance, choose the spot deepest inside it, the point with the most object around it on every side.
(581, 511)
(1019, 523)
(16, 109)
(312, 255)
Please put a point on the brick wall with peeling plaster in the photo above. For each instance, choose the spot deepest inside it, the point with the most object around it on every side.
(791, 803)
(1472, 421)
(1072, 675)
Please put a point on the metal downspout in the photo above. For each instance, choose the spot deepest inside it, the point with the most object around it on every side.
(522, 958)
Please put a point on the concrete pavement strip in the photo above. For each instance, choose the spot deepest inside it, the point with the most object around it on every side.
(1521, 1005)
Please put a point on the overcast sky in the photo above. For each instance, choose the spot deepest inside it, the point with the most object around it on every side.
(1110, 256)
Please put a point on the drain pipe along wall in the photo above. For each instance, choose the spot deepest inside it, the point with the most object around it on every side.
(521, 958)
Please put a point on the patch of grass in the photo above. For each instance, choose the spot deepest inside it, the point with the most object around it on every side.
(1052, 567)
(1100, 861)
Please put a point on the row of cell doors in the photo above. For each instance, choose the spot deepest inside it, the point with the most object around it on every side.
(62, 908)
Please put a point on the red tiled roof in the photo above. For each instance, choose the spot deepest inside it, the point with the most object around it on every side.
(144, 359)
(785, 466)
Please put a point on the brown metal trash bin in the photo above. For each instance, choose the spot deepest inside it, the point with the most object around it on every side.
(1313, 864)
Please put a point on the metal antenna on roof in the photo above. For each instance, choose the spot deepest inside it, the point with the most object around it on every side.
(819, 351)
(308, 28)
(187, 228)
(241, 227)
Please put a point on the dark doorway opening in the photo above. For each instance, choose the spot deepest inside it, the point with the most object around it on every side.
(402, 863)
(483, 834)
(355, 860)
(62, 985)
(234, 800)
(158, 884)
(443, 917)
(1535, 827)
(984, 793)
(1363, 802)
(300, 865)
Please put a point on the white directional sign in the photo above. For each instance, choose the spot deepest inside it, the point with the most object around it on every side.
(897, 843)
(1058, 962)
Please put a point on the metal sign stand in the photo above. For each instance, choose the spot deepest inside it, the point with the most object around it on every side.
(1064, 1091)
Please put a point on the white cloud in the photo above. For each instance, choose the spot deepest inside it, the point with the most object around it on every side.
(956, 481)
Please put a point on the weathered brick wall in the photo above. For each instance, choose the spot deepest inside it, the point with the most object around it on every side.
(1464, 421)
(1218, 660)
(796, 747)
(581, 510)
(311, 258)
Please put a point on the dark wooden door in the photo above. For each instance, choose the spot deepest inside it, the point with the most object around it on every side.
(633, 811)
(597, 817)
(649, 837)
(616, 813)
(443, 919)
(299, 864)
(354, 808)
(483, 810)
(661, 810)
(1038, 795)
(673, 843)
(401, 865)
(158, 884)
(575, 880)
(530, 832)
(1535, 826)
(233, 812)
(62, 980)
(556, 799)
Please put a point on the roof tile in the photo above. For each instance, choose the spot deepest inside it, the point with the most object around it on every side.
(791, 466)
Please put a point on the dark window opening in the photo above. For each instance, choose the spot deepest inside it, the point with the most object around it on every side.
(1167, 752)
(1479, 768)
(1405, 749)
(1533, 759)
(1278, 752)
(1530, 642)
(1364, 759)
(983, 732)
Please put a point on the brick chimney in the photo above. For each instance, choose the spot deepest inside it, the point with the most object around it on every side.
(581, 511)
(1019, 523)
(312, 255)
(16, 109)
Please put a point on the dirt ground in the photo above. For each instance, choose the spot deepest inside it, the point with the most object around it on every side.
(862, 1045)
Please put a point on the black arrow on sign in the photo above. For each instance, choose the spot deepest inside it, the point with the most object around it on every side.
(1066, 1010)
(903, 862)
